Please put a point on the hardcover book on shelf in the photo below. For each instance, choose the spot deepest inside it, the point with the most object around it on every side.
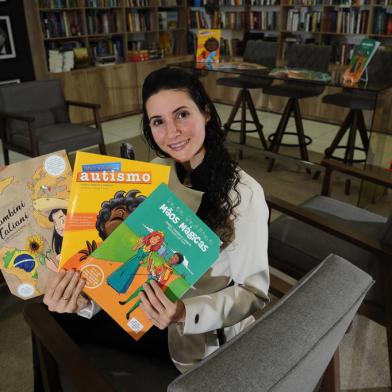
(161, 240)
(34, 198)
(105, 190)
(360, 59)
(208, 43)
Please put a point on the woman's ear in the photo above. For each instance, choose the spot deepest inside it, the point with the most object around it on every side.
(207, 115)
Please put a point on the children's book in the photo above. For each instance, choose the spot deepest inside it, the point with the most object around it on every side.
(360, 60)
(161, 240)
(208, 42)
(105, 190)
(34, 198)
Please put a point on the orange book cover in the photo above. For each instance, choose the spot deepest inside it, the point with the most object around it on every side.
(162, 240)
(208, 46)
(105, 190)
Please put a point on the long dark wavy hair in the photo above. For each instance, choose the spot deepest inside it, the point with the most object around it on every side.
(224, 172)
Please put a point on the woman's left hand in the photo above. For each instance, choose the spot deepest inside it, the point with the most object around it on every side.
(158, 308)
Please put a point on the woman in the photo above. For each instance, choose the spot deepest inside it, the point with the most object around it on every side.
(181, 124)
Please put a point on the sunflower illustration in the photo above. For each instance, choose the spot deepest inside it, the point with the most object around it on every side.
(35, 244)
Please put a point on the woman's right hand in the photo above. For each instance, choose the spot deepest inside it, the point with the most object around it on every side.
(64, 293)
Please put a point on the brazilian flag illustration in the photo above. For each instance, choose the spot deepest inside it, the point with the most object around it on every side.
(21, 259)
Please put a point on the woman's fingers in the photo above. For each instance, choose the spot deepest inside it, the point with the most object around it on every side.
(77, 287)
(59, 290)
(160, 295)
(152, 298)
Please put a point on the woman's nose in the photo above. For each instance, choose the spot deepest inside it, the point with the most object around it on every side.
(171, 128)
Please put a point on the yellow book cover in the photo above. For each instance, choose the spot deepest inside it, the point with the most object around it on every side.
(208, 46)
(105, 190)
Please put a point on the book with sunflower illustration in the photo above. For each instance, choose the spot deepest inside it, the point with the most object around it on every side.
(163, 240)
(105, 190)
(34, 198)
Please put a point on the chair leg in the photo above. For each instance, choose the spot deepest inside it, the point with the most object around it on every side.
(342, 130)
(102, 148)
(255, 118)
(276, 141)
(350, 149)
(6, 156)
(300, 132)
(234, 111)
(331, 379)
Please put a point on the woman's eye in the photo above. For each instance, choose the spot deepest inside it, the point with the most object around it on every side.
(156, 123)
(182, 115)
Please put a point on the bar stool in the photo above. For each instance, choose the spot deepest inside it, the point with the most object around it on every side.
(312, 57)
(379, 68)
(262, 53)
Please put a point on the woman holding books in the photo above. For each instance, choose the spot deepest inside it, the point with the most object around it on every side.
(183, 127)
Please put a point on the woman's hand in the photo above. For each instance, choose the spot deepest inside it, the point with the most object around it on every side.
(158, 308)
(64, 293)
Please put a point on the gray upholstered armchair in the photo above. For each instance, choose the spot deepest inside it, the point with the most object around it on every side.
(301, 238)
(286, 350)
(34, 120)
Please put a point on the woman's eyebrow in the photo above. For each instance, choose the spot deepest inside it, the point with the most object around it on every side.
(174, 111)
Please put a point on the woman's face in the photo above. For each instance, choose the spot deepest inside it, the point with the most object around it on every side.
(177, 125)
(59, 222)
(154, 239)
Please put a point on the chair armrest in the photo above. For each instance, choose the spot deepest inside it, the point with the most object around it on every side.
(84, 104)
(16, 116)
(68, 356)
(330, 226)
(331, 165)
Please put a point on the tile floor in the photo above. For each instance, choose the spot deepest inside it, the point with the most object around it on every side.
(363, 353)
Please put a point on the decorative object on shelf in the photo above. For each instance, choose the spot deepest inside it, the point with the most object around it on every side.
(7, 48)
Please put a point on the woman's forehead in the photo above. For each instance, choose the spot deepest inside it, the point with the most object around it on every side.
(168, 101)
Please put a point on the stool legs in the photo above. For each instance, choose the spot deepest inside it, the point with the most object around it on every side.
(244, 101)
(291, 107)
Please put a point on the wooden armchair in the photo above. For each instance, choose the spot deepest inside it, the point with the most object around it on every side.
(34, 120)
(287, 349)
(306, 234)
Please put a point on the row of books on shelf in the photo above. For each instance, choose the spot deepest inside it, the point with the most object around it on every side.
(62, 24)
(264, 20)
(58, 3)
(347, 21)
(233, 20)
(167, 20)
(102, 3)
(63, 219)
(232, 2)
(149, 3)
(265, 2)
(140, 21)
(382, 23)
(347, 3)
(303, 20)
(303, 2)
(198, 20)
(101, 22)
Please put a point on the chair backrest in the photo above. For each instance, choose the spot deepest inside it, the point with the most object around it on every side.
(261, 52)
(43, 100)
(380, 66)
(290, 346)
(309, 56)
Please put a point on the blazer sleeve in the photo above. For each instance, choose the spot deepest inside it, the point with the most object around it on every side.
(245, 260)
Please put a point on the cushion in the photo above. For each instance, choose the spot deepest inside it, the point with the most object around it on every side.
(362, 100)
(294, 89)
(59, 136)
(298, 247)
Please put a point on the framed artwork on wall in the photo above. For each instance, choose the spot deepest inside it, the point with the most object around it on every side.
(10, 81)
(7, 47)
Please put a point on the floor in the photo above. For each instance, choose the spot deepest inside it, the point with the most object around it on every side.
(363, 352)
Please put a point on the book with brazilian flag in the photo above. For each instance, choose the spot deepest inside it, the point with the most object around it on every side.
(161, 240)
(34, 198)
(105, 190)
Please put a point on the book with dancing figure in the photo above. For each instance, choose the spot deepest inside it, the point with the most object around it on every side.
(163, 240)
(34, 198)
(208, 43)
(105, 190)
(360, 59)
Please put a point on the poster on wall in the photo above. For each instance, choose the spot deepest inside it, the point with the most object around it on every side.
(7, 48)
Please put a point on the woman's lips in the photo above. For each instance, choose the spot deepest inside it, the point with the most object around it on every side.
(179, 145)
